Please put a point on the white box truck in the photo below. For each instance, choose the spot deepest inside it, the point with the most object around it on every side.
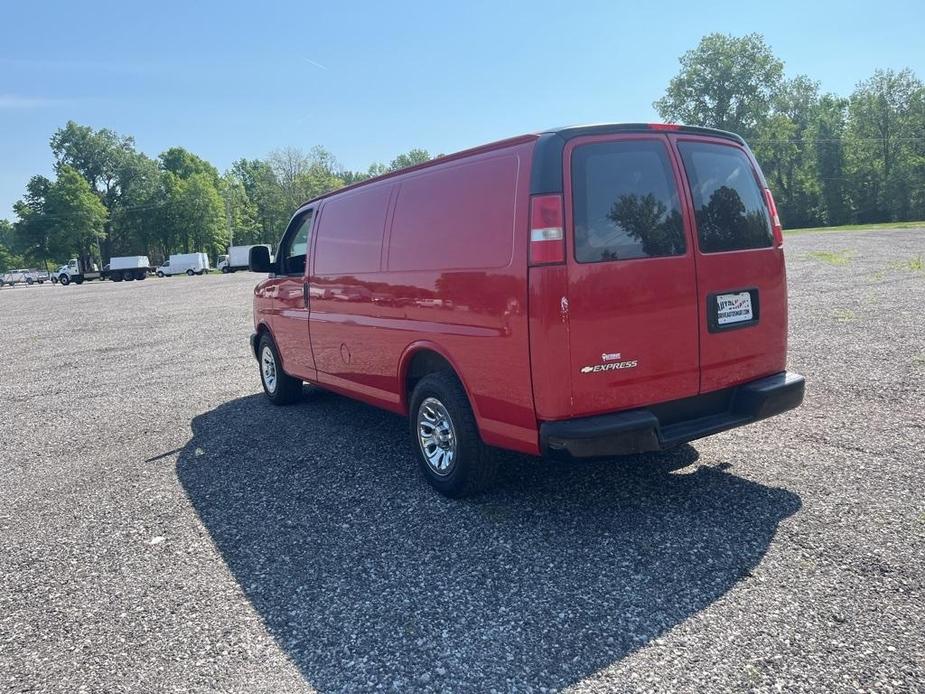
(131, 267)
(238, 258)
(184, 263)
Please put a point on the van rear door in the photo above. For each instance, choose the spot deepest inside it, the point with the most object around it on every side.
(632, 296)
(740, 263)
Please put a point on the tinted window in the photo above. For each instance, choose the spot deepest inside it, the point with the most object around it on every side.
(625, 202)
(730, 209)
(295, 245)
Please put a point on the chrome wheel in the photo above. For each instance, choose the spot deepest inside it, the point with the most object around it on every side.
(436, 436)
(268, 369)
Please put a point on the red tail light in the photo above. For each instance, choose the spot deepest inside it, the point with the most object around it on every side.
(547, 236)
(775, 219)
(664, 126)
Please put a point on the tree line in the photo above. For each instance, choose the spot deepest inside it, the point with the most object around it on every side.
(829, 159)
(108, 199)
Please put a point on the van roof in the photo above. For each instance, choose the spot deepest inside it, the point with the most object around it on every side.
(562, 134)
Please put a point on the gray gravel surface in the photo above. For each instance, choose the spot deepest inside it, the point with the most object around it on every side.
(164, 528)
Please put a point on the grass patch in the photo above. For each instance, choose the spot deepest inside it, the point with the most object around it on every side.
(857, 227)
(844, 315)
(832, 257)
(914, 264)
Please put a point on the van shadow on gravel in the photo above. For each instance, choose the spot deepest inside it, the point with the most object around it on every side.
(366, 578)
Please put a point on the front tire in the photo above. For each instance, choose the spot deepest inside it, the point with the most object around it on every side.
(160, 274)
(64, 280)
(190, 273)
(280, 387)
(224, 270)
(446, 439)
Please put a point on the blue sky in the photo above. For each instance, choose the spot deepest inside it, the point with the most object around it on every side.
(370, 80)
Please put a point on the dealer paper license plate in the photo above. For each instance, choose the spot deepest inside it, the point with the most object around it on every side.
(733, 308)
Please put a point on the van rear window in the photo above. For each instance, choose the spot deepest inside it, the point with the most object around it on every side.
(730, 210)
(625, 202)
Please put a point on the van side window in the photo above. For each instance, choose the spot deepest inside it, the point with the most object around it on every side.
(626, 202)
(295, 245)
(730, 209)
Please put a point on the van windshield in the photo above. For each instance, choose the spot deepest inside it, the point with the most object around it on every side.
(730, 210)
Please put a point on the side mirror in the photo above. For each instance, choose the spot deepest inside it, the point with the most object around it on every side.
(259, 260)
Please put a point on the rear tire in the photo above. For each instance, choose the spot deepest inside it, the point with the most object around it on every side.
(160, 274)
(280, 387)
(140, 275)
(128, 275)
(443, 425)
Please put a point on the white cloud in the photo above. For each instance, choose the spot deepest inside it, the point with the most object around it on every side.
(17, 101)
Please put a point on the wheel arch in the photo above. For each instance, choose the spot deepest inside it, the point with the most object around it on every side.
(421, 358)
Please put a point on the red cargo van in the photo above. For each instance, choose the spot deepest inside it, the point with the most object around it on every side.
(589, 291)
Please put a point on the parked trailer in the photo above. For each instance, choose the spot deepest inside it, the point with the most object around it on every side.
(24, 276)
(39, 276)
(184, 263)
(132, 267)
(238, 258)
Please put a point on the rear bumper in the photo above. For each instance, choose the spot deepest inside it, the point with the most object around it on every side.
(672, 423)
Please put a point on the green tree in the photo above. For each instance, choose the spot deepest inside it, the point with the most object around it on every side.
(241, 212)
(6, 232)
(107, 161)
(193, 216)
(264, 192)
(409, 158)
(94, 154)
(303, 175)
(827, 135)
(726, 82)
(886, 120)
(783, 147)
(33, 236)
(185, 164)
(76, 213)
(135, 215)
(8, 259)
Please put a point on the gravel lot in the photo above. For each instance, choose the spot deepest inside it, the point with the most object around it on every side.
(164, 528)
